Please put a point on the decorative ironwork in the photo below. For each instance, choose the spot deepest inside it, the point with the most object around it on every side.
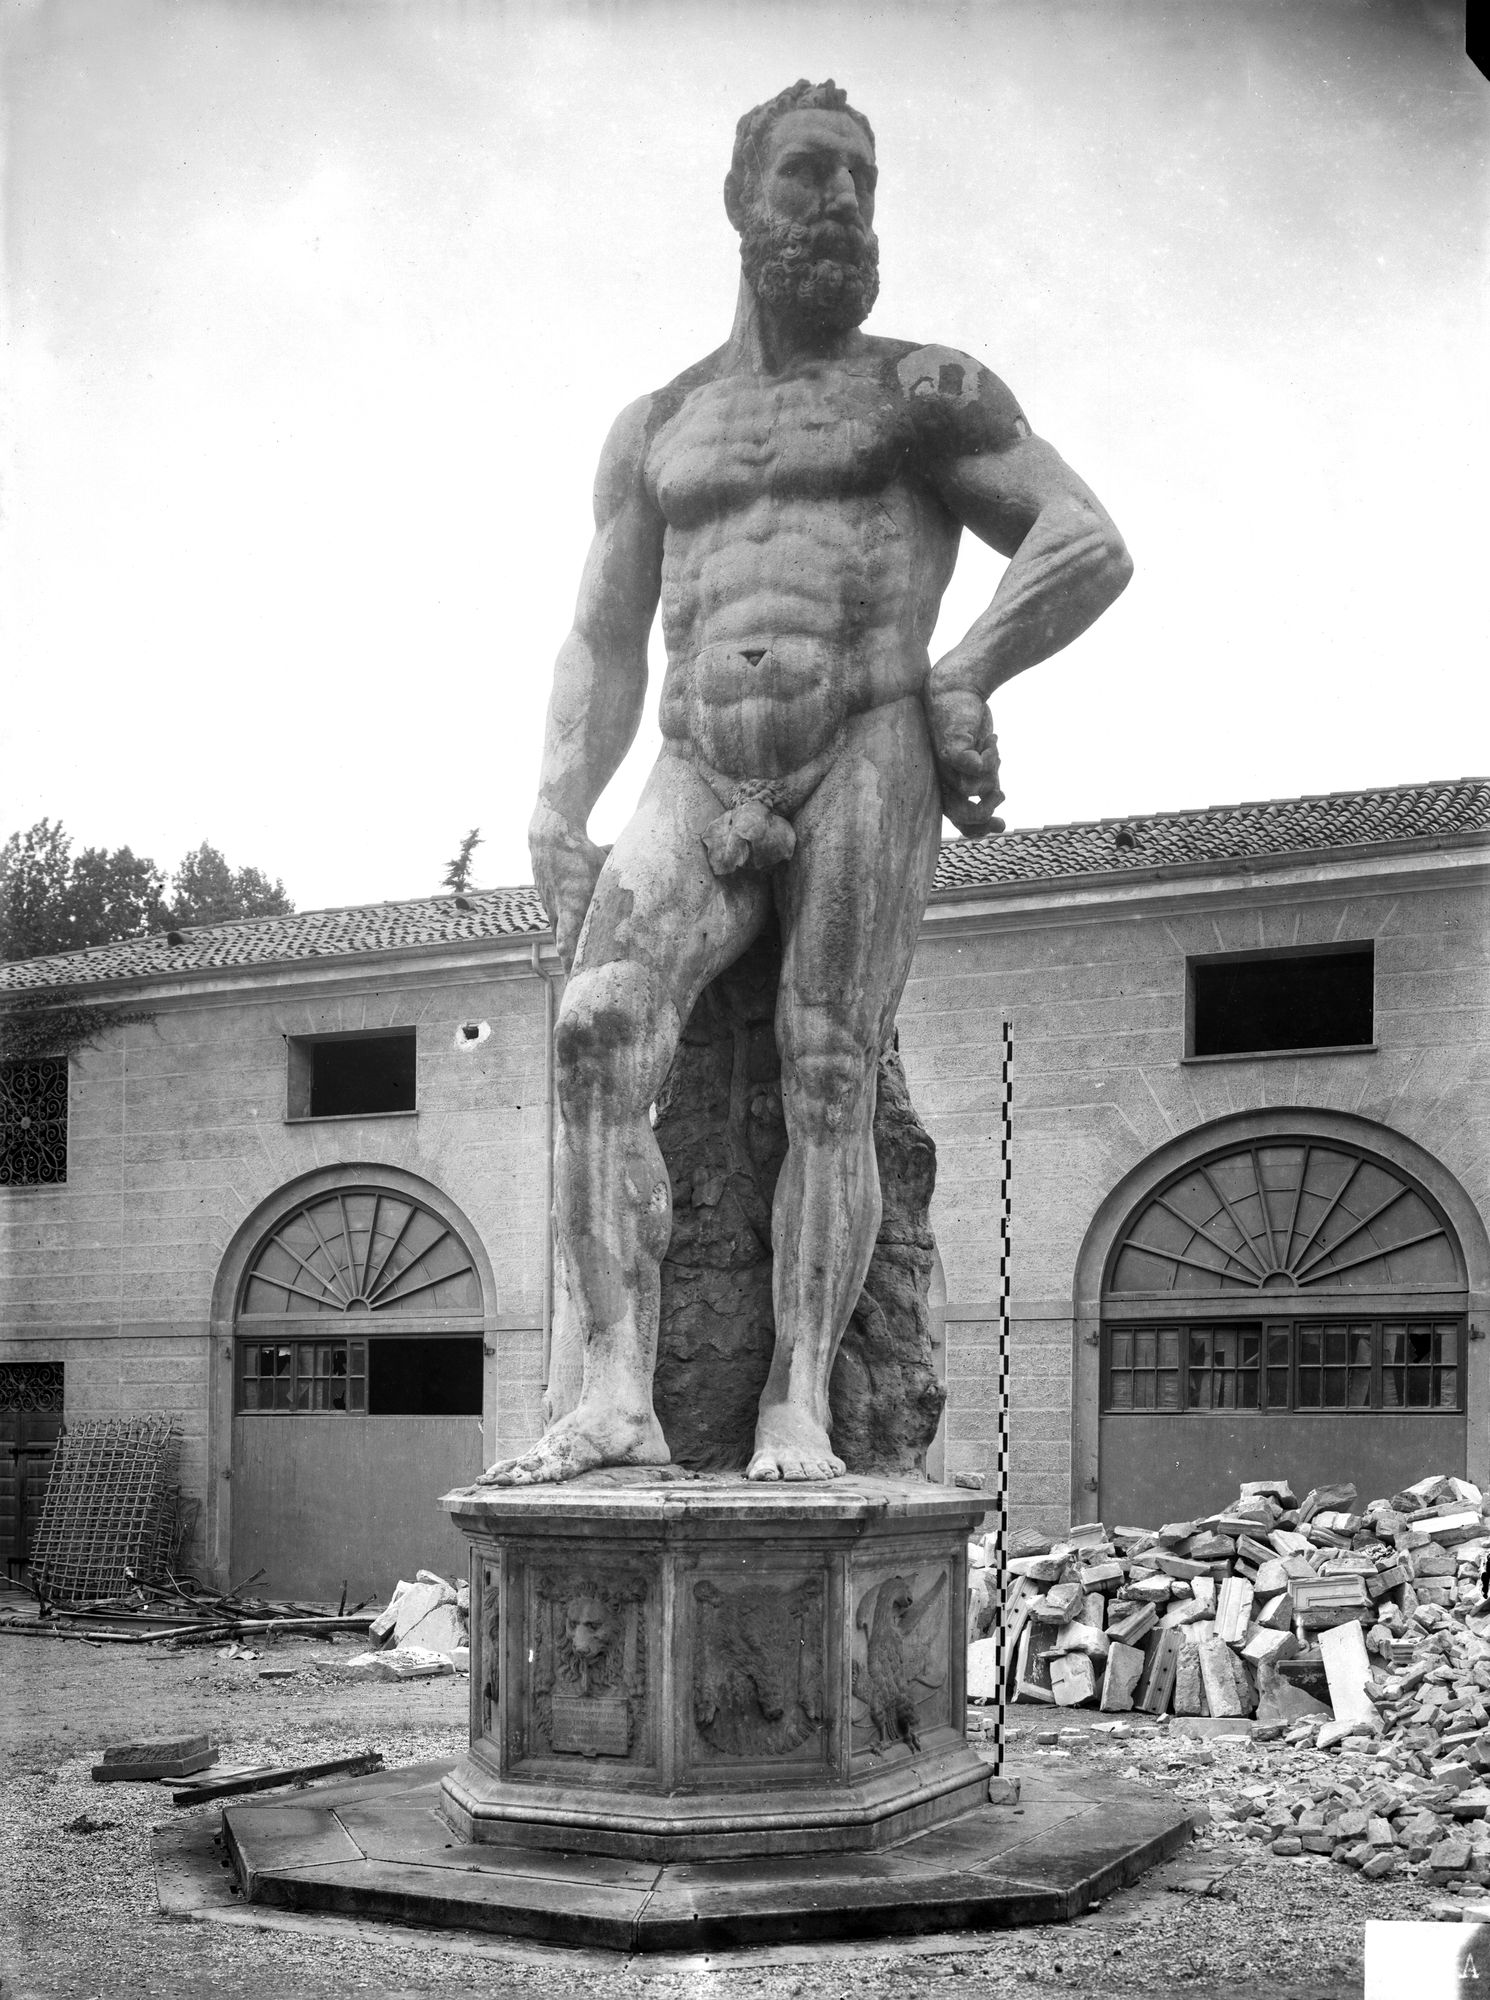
(360, 1250)
(31, 1386)
(33, 1122)
(1286, 1216)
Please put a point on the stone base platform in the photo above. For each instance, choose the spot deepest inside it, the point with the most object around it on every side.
(671, 1666)
(380, 1847)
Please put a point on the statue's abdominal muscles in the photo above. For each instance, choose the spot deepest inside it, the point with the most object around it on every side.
(801, 570)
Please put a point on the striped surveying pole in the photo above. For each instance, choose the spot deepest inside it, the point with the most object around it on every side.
(999, 1552)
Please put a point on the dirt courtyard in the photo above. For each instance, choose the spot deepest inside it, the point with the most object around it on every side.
(79, 1914)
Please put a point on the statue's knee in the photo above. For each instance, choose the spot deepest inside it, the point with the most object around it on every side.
(828, 1091)
(602, 1026)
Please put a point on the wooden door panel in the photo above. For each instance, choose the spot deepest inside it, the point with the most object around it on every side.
(318, 1500)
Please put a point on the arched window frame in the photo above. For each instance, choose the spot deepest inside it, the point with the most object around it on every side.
(314, 1360)
(1291, 1121)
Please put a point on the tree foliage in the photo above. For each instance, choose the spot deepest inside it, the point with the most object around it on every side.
(205, 890)
(457, 874)
(53, 900)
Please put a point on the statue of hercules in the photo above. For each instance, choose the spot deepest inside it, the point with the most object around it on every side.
(794, 503)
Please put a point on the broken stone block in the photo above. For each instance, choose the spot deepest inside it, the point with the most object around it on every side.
(160, 1757)
(1125, 1665)
(1127, 1625)
(1072, 1680)
(416, 1604)
(441, 1630)
(1058, 1606)
(1233, 1610)
(1381, 1864)
(1346, 1668)
(383, 1624)
(1079, 1638)
(1189, 1691)
(1269, 1647)
(1219, 1677)
(1157, 1684)
(982, 1670)
(1102, 1575)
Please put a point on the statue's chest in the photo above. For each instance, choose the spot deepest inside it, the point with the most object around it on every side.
(739, 441)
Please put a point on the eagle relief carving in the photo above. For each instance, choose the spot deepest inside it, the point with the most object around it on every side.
(589, 1674)
(758, 1666)
(900, 1658)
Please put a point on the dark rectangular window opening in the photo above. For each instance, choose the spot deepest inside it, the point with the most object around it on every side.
(33, 1122)
(426, 1375)
(350, 1076)
(1331, 1367)
(417, 1375)
(1259, 1002)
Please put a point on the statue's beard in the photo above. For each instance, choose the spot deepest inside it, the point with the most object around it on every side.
(823, 276)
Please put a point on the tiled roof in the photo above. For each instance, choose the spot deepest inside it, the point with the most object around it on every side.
(365, 927)
(1030, 855)
(1217, 834)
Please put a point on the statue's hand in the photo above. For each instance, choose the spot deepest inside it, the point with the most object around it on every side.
(967, 759)
(566, 866)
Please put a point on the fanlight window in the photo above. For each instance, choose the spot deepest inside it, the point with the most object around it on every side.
(357, 1251)
(1292, 1216)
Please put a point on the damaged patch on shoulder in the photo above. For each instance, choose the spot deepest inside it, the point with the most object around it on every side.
(960, 385)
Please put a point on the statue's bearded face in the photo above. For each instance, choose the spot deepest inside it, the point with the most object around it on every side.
(806, 241)
(825, 274)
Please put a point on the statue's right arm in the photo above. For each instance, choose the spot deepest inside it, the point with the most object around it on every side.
(600, 678)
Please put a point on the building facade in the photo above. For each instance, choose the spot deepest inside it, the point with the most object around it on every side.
(291, 1183)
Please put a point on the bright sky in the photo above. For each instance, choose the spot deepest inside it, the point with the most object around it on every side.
(317, 315)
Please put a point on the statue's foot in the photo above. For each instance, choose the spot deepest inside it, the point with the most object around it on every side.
(791, 1445)
(579, 1443)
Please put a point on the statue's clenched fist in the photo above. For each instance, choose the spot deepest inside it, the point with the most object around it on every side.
(967, 759)
(566, 866)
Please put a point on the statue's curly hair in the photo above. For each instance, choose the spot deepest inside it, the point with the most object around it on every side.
(753, 128)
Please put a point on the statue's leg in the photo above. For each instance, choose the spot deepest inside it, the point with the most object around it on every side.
(851, 907)
(660, 927)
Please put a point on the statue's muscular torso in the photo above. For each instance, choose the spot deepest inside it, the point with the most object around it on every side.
(805, 549)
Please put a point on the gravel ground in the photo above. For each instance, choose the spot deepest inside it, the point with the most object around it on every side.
(79, 1914)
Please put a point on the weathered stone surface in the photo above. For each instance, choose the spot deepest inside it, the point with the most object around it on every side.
(810, 751)
(722, 1135)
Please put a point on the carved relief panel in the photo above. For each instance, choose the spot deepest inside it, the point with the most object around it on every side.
(900, 1658)
(486, 1623)
(587, 1647)
(758, 1670)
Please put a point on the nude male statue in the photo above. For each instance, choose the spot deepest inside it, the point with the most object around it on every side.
(794, 502)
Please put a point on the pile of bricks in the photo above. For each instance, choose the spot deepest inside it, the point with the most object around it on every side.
(1324, 1619)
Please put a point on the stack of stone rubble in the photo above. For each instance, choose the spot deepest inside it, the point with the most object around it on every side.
(423, 1631)
(1330, 1620)
(1365, 1631)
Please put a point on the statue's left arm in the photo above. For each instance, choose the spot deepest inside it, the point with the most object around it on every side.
(1067, 563)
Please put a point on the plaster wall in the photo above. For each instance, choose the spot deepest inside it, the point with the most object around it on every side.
(177, 1135)
(1095, 993)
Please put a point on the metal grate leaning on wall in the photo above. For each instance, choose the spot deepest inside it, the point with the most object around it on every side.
(110, 1515)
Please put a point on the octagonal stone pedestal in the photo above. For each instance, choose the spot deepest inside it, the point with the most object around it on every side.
(670, 1667)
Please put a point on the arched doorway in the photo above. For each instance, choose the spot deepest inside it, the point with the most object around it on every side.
(1288, 1305)
(358, 1366)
